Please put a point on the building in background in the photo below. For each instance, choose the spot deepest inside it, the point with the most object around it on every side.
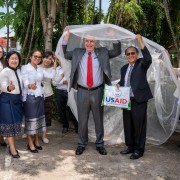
(13, 45)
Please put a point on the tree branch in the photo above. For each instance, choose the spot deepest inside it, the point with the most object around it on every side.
(43, 17)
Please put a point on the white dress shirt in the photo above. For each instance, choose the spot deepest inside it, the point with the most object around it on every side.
(97, 71)
(6, 76)
(1, 66)
(48, 91)
(31, 75)
(126, 77)
(58, 80)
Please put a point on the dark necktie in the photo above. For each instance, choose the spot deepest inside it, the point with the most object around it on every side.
(129, 76)
(89, 71)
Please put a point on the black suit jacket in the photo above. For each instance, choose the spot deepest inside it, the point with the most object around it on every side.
(103, 55)
(138, 80)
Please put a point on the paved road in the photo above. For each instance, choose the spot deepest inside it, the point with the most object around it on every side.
(58, 161)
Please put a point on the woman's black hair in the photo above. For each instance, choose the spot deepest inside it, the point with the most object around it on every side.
(2, 59)
(47, 54)
(9, 54)
(137, 51)
(31, 54)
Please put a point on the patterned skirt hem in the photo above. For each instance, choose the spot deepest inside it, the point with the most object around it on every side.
(43, 129)
(10, 135)
(8, 130)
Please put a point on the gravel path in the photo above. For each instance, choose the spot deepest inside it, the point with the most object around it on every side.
(58, 161)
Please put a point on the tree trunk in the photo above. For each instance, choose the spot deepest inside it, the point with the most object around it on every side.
(48, 22)
(110, 10)
(43, 17)
(118, 12)
(60, 10)
(121, 13)
(92, 18)
(65, 14)
(85, 13)
(100, 9)
(27, 32)
(32, 33)
(166, 8)
(7, 9)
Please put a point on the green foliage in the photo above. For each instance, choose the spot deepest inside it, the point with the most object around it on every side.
(90, 13)
(6, 19)
(22, 13)
(156, 27)
(154, 20)
(75, 14)
(1, 3)
(147, 17)
(132, 15)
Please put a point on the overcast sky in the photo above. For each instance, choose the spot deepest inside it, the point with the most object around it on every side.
(105, 5)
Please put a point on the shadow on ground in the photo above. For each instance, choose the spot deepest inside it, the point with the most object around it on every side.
(57, 160)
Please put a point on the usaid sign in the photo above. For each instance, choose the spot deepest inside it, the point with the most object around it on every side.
(118, 97)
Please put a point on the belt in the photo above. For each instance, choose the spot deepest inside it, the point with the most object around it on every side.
(90, 89)
(62, 90)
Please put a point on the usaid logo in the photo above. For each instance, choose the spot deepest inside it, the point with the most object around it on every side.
(117, 92)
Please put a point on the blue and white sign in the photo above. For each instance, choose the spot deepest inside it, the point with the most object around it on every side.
(118, 97)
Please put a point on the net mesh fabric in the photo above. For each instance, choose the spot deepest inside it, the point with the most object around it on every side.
(163, 110)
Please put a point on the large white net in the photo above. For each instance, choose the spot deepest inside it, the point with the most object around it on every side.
(163, 110)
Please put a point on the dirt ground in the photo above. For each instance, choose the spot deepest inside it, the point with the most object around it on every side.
(58, 161)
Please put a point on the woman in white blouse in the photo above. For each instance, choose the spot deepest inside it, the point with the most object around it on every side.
(33, 98)
(11, 101)
(1, 58)
(47, 65)
(2, 142)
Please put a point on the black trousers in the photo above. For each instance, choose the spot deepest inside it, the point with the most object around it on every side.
(48, 106)
(61, 98)
(135, 122)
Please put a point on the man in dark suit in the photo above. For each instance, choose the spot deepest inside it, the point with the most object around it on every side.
(133, 75)
(90, 69)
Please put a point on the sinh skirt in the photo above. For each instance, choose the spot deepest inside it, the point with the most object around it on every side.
(10, 114)
(34, 115)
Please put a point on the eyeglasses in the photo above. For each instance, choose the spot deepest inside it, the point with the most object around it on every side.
(37, 57)
(130, 53)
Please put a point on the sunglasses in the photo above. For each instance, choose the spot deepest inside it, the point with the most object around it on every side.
(37, 57)
(130, 53)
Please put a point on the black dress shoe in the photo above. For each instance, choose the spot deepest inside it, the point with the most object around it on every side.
(32, 150)
(65, 130)
(38, 147)
(127, 151)
(101, 150)
(79, 150)
(3, 144)
(14, 155)
(135, 156)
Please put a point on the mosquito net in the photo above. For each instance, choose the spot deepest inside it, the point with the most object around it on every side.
(163, 110)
